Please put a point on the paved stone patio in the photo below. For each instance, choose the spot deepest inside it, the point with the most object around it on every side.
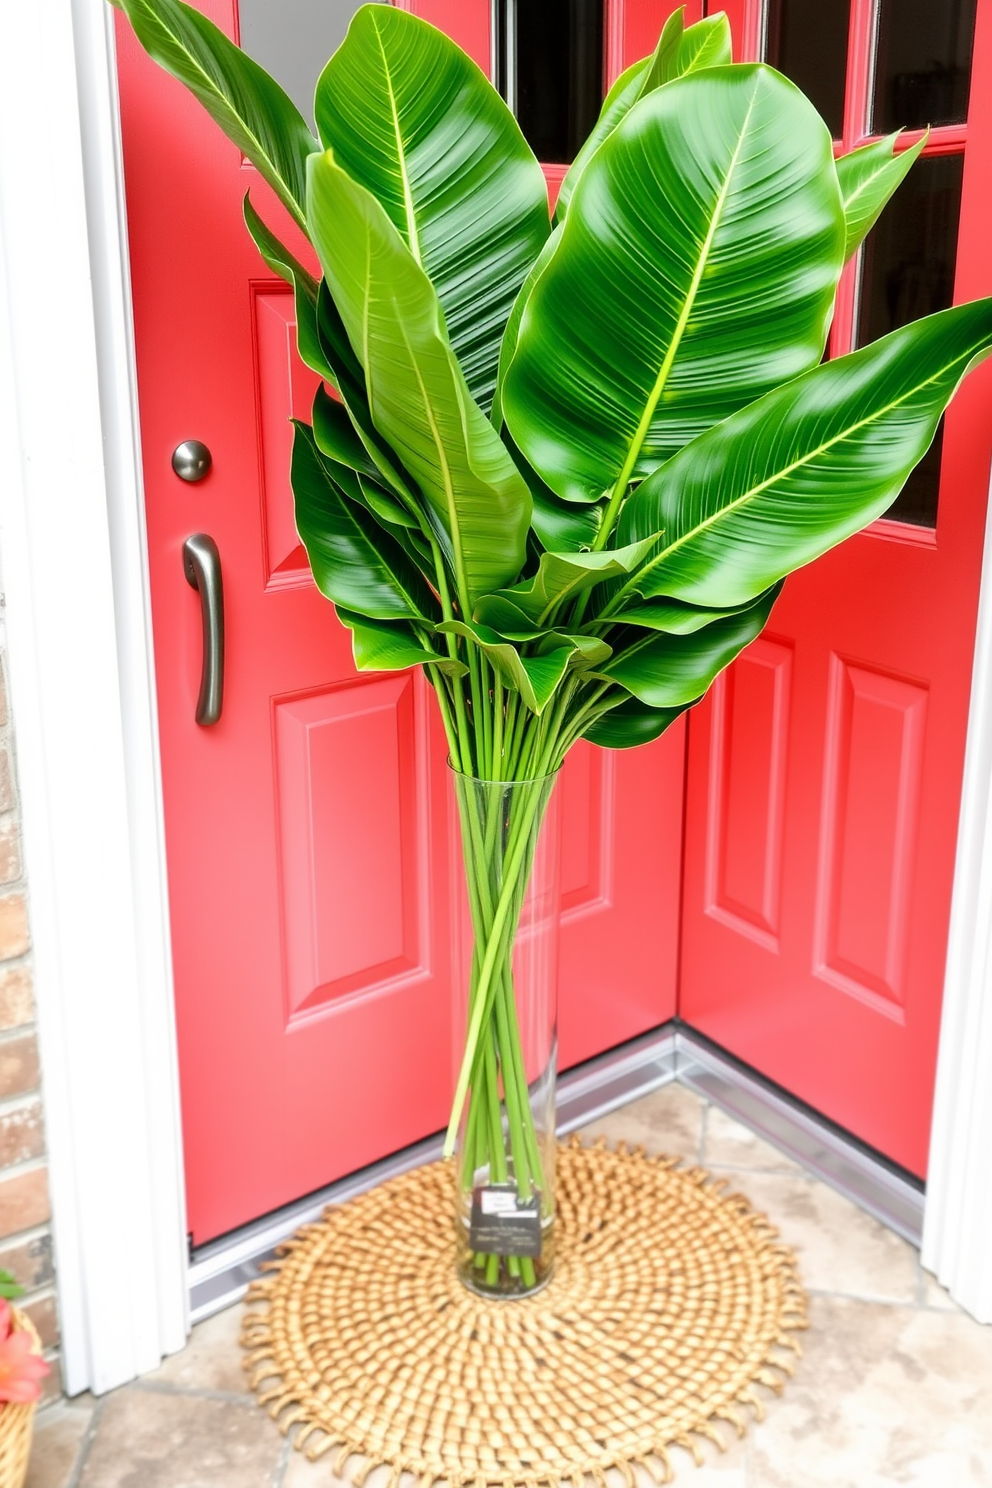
(895, 1385)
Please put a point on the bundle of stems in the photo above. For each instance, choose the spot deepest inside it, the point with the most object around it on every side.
(494, 738)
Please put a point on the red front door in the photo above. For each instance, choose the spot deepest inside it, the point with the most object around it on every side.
(306, 830)
(825, 769)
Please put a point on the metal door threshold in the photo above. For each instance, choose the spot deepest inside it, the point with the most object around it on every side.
(221, 1270)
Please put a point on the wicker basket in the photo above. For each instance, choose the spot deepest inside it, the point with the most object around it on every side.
(16, 1422)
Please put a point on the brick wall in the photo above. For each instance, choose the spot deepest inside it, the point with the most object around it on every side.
(25, 1234)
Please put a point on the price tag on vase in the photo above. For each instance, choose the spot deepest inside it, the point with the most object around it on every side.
(504, 1224)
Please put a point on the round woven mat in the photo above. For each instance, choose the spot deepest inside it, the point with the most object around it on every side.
(670, 1304)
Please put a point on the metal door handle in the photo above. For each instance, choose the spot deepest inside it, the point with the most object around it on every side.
(201, 565)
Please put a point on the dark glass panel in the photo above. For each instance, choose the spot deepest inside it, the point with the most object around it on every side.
(293, 39)
(908, 271)
(923, 63)
(557, 83)
(807, 40)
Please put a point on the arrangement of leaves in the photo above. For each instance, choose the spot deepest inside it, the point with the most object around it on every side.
(566, 465)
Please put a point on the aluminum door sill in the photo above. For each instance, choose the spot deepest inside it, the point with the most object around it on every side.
(221, 1270)
(810, 1141)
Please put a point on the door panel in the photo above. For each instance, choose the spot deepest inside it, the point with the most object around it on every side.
(306, 832)
(821, 809)
(751, 705)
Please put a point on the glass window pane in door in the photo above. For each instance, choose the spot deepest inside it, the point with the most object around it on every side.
(908, 271)
(807, 40)
(293, 39)
(923, 63)
(555, 83)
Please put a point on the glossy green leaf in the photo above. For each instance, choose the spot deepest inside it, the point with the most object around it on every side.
(632, 723)
(564, 525)
(671, 615)
(249, 106)
(536, 678)
(706, 43)
(392, 646)
(696, 270)
(680, 50)
(337, 436)
(354, 562)
(509, 343)
(587, 651)
(413, 119)
(338, 439)
(807, 465)
(507, 619)
(670, 671)
(561, 577)
(868, 177)
(349, 378)
(418, 397)
(279, 259)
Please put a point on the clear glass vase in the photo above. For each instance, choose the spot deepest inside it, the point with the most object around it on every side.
(505, 874)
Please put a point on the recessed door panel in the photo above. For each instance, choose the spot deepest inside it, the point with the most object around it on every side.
(285, 390)
(833, 987)
(873, 764)
(353, 883)
(307, 831)
(748, 762)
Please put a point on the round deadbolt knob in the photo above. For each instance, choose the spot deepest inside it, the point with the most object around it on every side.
(191, 460)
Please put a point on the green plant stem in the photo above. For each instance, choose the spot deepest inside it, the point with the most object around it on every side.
(504, 742)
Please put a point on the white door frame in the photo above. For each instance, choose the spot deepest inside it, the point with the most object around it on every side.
(73, 545)
(72, 541)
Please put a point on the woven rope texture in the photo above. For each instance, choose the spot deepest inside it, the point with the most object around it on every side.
(671, 1303)
(16, 1423)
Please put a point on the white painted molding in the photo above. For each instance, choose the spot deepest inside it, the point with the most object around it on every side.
(81, 675)
(957, 1229)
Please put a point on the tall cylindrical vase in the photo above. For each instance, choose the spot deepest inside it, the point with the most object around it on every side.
(505, 872)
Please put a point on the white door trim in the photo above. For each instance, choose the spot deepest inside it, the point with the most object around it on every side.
(71, 528)
(72, 533)
(957, 1228)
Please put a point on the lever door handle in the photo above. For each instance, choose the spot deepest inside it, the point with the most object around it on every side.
(201, 565)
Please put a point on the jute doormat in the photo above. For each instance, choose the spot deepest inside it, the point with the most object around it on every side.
(671, 1304)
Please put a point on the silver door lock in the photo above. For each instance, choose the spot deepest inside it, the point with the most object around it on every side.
(191, 460)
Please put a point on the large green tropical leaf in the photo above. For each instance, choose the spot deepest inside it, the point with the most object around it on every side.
(804, 467)
(671, 671)
(354, 562)
(868, 177)
(279, 259)
(343, 430)
(559, 578)
(564, 525)
(631, 723)
(393, 646)
(680, 50)
(671, 615)
(536, 678)
(412, 118)
(249, 106)
(509, 342)
(349, 379)
(696, 270)
(417, 394)
(337, 437)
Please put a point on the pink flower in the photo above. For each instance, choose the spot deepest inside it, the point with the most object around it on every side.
(20, 1368)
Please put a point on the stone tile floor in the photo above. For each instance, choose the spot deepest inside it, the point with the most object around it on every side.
(895, 1385)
